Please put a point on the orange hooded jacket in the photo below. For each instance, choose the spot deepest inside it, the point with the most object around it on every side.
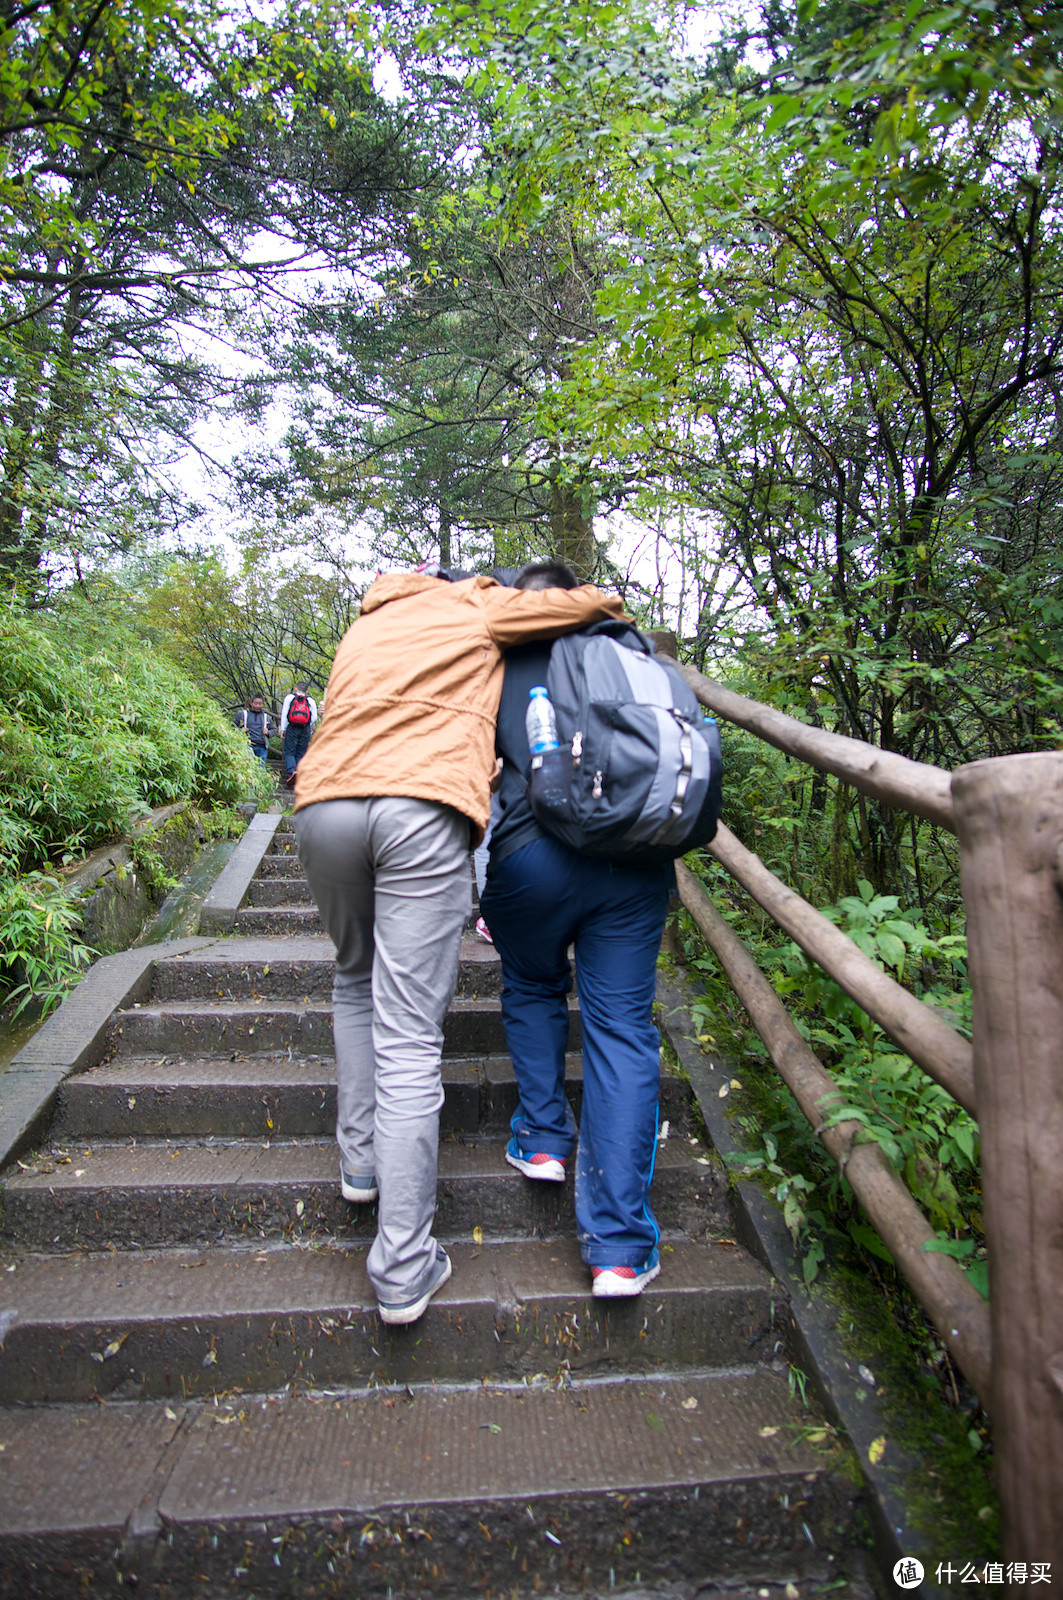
(413, 694)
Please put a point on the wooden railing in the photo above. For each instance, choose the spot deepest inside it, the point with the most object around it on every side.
(1007, 814)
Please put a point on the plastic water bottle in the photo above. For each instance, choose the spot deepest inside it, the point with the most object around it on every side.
(540, 721)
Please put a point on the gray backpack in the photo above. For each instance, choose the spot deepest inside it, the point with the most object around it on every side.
(638, 777)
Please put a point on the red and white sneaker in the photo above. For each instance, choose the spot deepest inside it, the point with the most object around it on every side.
(613, 1283)
(537, 1164)
(483, 931)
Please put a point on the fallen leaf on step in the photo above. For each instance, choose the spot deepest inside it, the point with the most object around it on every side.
(111, 1350)
(689, 1405)
(877, 1450)
(477, 1235)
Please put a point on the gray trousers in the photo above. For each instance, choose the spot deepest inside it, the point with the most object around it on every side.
(391, 880)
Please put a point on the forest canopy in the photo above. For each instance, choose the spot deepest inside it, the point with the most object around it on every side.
(757, 318)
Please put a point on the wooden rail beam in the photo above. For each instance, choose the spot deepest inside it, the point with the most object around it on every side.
(1009, 813)
(893, 779)
(919, 1030)
(956, 1309)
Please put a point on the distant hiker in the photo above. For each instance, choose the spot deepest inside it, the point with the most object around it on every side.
(298, 715)
(392, 794)
(258, 725)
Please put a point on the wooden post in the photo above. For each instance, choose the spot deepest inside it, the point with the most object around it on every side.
(665, 642)
(1009, 819)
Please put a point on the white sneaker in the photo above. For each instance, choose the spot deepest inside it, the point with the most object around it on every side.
(410, 1310)
(536, 1164)
(614, 1283)
(357, 1189)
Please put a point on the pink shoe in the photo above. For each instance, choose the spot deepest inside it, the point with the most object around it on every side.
(483, 931)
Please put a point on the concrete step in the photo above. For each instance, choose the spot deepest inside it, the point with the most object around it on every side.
(281, 1097)
(278, 921)
(185, 1323)
(448, 1491)
(472, 1026)
(288, 892)
(291, 921)
(284, 865)
(290, 969)
(152, 1194)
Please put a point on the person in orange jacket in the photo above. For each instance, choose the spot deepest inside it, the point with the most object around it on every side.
(390, 798)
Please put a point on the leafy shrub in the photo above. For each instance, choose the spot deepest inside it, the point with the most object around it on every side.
(96, 730)
(924, 1134)
(39, 941)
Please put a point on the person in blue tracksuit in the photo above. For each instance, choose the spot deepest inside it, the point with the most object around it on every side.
(540, 898)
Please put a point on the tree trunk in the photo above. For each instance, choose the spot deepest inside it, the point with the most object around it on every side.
(572, 532)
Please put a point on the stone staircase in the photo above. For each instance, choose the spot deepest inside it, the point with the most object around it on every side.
(197, 1397)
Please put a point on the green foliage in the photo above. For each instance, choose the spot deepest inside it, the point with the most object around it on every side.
(95, 731)
(222, 822)
(149, 149)
(832, 333)
(39, 942)
(155, 85)
(277, 622)
(966, 1251)
(152, 869)
(930, 1140)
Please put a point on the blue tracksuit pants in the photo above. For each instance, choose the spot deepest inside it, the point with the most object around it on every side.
(537, 902)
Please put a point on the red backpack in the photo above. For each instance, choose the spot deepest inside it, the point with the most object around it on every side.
(299, 714)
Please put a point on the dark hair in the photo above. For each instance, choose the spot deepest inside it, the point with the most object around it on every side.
(548, 574)
(300, 688)
(506, 576)
(435, 569)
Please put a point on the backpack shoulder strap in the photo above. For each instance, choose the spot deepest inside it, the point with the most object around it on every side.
(624, 633)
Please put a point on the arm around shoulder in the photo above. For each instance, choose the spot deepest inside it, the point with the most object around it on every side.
(518, 614)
